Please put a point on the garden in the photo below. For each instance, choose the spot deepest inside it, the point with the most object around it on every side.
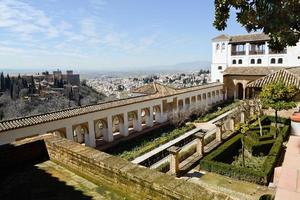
(253, 153)
(138, 146)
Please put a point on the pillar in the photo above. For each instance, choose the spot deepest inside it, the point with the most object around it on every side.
(219, 131)
(69, 131)
(92, 135)
(174, 159)
(200, 143)
(137, 125)
(125, 125)
(244, 92)
(109, 137)
(234, 93)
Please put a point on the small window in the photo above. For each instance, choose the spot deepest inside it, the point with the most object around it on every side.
(234, 62)
(218, 46)
(240, 61)
(259, 61)
(273, 61)
(223, 46)
(252, 61)
(219, 67)
(218, 80)
(280, 60)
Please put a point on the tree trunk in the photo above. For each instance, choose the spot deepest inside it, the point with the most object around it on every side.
(243, 151)
(276, 116)
(260, 126)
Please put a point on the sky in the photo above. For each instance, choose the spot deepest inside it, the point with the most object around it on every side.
(106, 34)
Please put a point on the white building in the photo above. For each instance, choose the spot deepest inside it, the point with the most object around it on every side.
(250, 50)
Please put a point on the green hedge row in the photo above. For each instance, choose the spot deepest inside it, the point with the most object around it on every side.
(212, 163)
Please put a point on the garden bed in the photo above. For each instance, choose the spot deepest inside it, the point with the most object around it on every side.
(260, 159)
(136, 147)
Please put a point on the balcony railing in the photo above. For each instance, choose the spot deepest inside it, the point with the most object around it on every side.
(237, 53)
(284, 51)
(256, 52)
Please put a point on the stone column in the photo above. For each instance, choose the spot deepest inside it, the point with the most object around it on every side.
(174, 159)
(109, 137)
(200, 143)
(234, 93)
(219, 131)
(69, 131)
(92, 135)
(139, 120)
(150, 117)
(125, 124)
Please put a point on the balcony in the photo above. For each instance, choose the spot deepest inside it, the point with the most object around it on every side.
(284, 51)
(256, 52)
(238, 53)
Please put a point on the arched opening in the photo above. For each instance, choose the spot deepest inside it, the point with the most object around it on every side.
(187, 103)
(239, 90)
(59, 133)
(146, 117)
(240, 61)
(79, 133)
(193, 101)
(273, 61)
(180, 104)
(133, 121)
(280, 60)
(259, 61)
(117, 125)
(157, 113)
(233, 62)
(100, 128)
(252, 61)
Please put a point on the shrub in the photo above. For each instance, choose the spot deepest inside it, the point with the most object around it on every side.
(215, 162)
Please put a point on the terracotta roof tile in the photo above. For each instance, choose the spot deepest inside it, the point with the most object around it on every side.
(250, 71)
(288, 76)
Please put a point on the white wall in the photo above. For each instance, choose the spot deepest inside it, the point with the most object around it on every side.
(225, 59)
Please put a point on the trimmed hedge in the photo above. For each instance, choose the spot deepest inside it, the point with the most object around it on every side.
(214, 162)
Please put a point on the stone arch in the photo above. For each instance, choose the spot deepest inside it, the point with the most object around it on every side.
(204, 96)
(100, 128)
(180, 104)
(187, 102)
(117, 123)
(59, 133)
(157, 114)
(239, 90)
(79, 133)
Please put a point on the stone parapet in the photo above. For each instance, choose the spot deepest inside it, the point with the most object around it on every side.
(136, 181)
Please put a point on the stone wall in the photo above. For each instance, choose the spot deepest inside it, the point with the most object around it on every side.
(23, 152)
(134, 181)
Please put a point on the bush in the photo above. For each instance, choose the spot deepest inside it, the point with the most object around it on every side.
(218, 161)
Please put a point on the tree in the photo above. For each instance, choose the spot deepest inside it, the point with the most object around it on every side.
(278, 19)
(278, 96)
(244, 130)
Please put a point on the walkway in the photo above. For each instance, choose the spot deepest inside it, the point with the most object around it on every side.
(208, 128)
(288, 186)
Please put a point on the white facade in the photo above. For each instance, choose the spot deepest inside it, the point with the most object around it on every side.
(246, 51)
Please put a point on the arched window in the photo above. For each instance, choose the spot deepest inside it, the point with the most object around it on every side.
(273, 61)
(219, 67)
(217, 46)
(252, 61)
(240, 61)
(223, 46)
(280, 61)
(233, 62)
(259, 61)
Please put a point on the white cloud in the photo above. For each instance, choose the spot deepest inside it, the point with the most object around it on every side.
(19, 17)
